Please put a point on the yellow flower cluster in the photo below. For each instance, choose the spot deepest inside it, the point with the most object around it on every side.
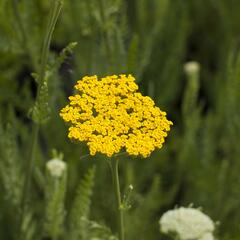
(110, 115)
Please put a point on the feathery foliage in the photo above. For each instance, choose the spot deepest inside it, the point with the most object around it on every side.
(55, 191)
(78, 219)
(152, 40)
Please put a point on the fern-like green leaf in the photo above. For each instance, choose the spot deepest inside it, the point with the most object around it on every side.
(68, 50)
(98, 231)
(81, 207)
(40, 112)
(10, 165)
(28, 228)
(55, 210)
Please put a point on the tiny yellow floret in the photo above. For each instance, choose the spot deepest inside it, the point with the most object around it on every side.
(110, 115)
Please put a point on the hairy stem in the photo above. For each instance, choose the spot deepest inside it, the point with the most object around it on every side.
(114, 171)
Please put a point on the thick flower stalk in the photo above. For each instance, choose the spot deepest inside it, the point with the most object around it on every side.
(110, 115)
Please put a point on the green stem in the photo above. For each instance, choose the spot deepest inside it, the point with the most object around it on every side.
(114, 171)
(30, 165)
(55, 11)
(27, 183)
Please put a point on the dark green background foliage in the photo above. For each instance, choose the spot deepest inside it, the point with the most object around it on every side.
(152, 39)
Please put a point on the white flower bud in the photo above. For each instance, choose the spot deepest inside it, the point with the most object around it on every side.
(56, 167)
(192, 67)
(187, 223)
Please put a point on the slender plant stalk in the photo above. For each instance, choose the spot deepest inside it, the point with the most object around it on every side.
(55, 11)
(114, 171)
(30, 164)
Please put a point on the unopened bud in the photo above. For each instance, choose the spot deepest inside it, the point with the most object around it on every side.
(56, 167)
(192, 67)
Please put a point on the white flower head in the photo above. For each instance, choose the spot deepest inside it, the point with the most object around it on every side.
(207, 236)
(56, 167)
(130, 187)
(191, 67)
(187, 223)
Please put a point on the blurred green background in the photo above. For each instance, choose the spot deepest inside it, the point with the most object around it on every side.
(152, 39)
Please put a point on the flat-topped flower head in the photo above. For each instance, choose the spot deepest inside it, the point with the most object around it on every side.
(187, 224)
(110, 115)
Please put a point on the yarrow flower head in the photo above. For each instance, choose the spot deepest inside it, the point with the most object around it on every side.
(187, 224)
(110, 115)
(56, 167)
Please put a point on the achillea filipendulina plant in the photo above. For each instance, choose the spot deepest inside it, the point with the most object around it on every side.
(110, 115)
